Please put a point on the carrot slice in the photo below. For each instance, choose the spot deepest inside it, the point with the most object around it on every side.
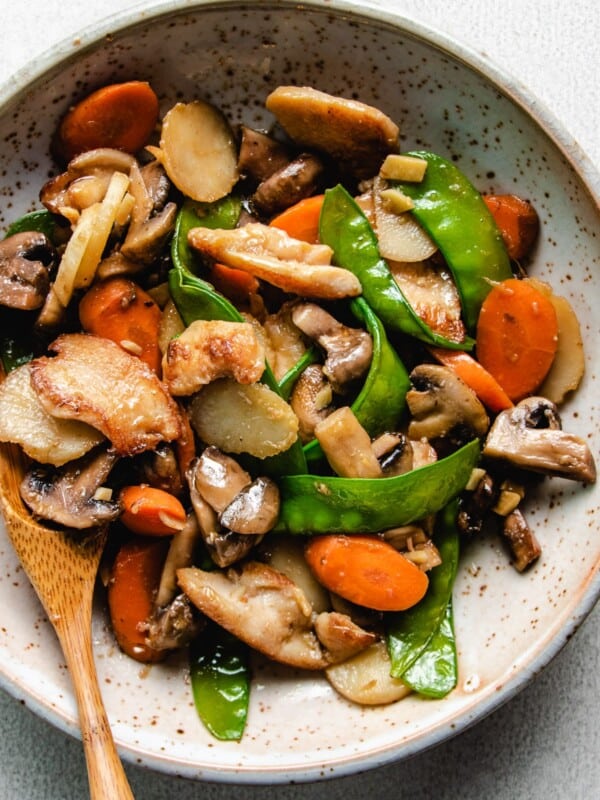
(122, 115)
(235, 284)
(485, 386)
(120, 310)
(367, 571)
(517, 336)
(134, 579)
(301, 221)
(517, 221)
(151, 512)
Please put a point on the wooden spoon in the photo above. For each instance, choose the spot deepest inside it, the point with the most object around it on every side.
(62, 568)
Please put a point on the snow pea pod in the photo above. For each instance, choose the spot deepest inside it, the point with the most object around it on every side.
(220, 682)
(381, 401)
(41, 220)
(223, 213)
(416, 633)
(435, 672)
(456, 217)
(344, 227)
(312, 504)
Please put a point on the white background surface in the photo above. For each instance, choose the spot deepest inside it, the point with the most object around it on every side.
(546, 742)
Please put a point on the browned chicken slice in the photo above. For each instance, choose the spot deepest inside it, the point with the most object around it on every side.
(341, 637)
(353, 133)
(433, 295)
(93, 380)
(271, 255)
(211, 349)
(260, 606)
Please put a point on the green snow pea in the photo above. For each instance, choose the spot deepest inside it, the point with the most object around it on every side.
(456, 217)
(41, 220)
(223, 213)
(382, 398)
(14, 351)
(220, 682)
(313, 504)
(420, 637)
(344, 227)
(435, 672)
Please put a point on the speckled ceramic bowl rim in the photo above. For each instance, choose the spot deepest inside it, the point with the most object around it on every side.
(59, 56)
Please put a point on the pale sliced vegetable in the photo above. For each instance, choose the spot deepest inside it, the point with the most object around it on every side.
(568, 366)
(365, 678)
(400, 236)
(198, 151)
(240, 418)
(347, 445)
(171, 326)
(396, 201)
(286, 554)
(84, 249)
(44, 438)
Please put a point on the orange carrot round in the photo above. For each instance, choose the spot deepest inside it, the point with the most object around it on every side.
(485, 386)
(133, 583)
(151, 512)
(517, 221)
(301, 221)
(122, 115)
(517, 336)
(122, 311)
(235, 284)
(367, 571)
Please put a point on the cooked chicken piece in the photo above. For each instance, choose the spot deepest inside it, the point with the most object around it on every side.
(271, 255)
(93, 380)
(353, 133)
(341, 637)
(211, 349)
(70, 496)
(44, 438)
(261, 607)
(432, 293)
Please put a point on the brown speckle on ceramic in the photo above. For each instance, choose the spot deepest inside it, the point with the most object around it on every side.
(508, 625)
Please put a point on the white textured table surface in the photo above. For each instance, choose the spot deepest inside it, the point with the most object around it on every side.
(546, 742)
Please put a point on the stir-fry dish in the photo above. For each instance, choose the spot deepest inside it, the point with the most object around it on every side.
(294, 372)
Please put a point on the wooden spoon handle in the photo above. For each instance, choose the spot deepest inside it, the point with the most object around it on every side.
(106, 776)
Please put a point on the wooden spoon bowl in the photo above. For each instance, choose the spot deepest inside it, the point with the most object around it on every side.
(62, 568)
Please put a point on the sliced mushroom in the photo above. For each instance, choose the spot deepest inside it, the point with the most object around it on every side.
(181, 552)
(68, 496)
(218, 477)
(149, 228)
(254, 510)
(394, 451)
(25, 262)
(260, 155)
(475, 505)
(530, 436)
(271, 255)
(440, 403)
(260, 606)
(93, 380)
(174, 626)
(290, 184)
(160, 468)
(212, 349)
(354, 134)
(311, 400)
(349, 350)
(84, 182)
(224, 546)
(523, 544)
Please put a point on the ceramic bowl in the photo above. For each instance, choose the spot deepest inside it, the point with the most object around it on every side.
(445, 99)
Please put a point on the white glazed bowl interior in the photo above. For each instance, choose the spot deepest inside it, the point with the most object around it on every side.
(445, 99)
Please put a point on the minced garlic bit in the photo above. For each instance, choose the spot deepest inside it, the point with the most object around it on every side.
(103, 494)
(132, 347)
(403, 168)
(396, 201)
